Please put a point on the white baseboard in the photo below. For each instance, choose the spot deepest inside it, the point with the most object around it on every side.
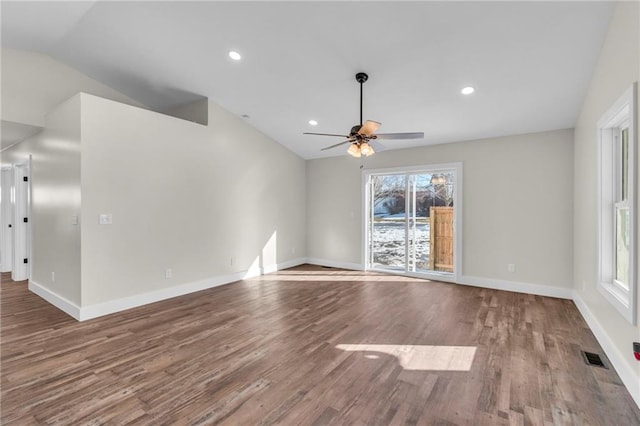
(334, 264)
(117, 305)
(113, 306)
(254, 272)
(290, 264)
(55, 299)
(624, 370)
(518, 287)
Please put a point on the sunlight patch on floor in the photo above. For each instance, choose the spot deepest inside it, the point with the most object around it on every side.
(337, 278)
(324, 271)
(421, 357)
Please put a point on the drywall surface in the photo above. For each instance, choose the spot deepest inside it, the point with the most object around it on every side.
(33, 84)
(203, 201)
(196, 111)
(517, 204)
(55, 199)
(617, 68)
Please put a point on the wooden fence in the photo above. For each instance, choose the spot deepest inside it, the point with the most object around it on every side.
(441, 241)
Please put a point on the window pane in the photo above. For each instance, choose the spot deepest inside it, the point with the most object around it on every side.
(622, 245)
(388, 221)
(625, 164)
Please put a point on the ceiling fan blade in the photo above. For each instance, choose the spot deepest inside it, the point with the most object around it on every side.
(377, 146)
(416, 135)
(336, 145)
(369, 128)
(326, 134)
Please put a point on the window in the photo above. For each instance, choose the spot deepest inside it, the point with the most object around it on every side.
(617, 205)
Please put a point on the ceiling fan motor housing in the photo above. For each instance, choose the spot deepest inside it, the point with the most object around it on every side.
(361, 77)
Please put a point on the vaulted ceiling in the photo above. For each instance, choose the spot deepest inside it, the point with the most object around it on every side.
(530, 62)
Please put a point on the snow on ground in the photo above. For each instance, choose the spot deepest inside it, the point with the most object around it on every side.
(389, 247)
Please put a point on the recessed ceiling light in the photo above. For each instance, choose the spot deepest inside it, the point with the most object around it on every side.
(313, 122)
(235, 55)
(467, 90)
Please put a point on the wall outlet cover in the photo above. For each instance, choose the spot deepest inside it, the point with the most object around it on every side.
(106, 219)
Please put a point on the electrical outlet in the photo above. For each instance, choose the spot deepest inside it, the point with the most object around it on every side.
(168, 273)
(511, 267)
(231, 261)
(293, 250)
(106, 219)
(53, 277)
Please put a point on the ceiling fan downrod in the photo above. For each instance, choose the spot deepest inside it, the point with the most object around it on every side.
(361, 77)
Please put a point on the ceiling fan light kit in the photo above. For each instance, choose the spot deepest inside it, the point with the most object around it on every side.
(358, 149)
(354, 150)
(366, 149)
(361, 134)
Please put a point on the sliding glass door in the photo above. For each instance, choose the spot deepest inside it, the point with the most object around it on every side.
(388, 239)
(411, 221)
(418, 226)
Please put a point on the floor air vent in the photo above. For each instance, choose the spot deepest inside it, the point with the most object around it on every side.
(593, 359)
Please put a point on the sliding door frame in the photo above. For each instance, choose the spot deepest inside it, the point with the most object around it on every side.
(367, 201)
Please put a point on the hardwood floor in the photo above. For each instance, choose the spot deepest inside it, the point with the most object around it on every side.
(297, 348)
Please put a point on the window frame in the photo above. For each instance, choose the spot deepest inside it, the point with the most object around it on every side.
(621, 115)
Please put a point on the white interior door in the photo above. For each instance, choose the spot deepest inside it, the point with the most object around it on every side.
(21, 185)
(6, 220)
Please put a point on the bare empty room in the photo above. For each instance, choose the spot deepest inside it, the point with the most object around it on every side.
(319, 213)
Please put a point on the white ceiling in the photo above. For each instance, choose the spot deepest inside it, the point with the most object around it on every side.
(530, 62)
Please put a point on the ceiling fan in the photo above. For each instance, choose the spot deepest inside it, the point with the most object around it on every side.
(361, 134)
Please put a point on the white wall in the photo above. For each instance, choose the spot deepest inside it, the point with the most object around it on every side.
(33, 84)
(183, 196)
(197, 111)
(55, 198)
(207, 202)
(617, 67)
(517, 205)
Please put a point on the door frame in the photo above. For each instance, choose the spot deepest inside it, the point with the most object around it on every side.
(457, 218)
(21, 209)
(6, 224)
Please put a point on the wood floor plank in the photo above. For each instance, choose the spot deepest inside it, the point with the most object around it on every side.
(282, 349)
